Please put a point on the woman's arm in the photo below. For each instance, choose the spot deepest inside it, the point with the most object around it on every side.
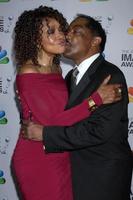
(39, 106)
(105, 94)
(79, 112)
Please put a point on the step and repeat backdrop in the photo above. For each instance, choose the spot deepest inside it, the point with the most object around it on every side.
(116, 17)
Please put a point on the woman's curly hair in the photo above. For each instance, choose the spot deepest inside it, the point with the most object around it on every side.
(28, 33)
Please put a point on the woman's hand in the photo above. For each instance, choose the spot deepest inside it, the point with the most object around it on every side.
(110, 93)
(32, 131)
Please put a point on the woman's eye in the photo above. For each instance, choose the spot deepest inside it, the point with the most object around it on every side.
(60, 30)
(50, 31)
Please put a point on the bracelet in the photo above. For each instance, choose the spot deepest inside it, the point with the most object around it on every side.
(92, 105)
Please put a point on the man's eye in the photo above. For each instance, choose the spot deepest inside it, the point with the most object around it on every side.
(77, 32)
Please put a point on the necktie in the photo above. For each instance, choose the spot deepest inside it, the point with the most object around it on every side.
(74, 78)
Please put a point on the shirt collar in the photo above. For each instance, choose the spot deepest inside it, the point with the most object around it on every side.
(85, 64)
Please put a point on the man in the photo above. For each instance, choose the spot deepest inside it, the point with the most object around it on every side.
(101, 158)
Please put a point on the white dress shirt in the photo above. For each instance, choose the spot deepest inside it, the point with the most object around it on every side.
(84, 65)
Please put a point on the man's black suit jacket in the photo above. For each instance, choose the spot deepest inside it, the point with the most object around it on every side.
(101, 158)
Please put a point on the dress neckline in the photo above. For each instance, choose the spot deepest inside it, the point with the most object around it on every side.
(39, 74)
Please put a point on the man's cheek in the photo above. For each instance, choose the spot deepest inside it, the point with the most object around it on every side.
(76, 45)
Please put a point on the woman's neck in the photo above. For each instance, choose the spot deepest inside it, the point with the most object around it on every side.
(45, 60)
(45, 64)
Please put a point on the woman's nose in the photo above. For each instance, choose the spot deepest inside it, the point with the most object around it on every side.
(61, 35)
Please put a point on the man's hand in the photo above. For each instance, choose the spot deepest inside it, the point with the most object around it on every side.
(110, 93)
(32, 131)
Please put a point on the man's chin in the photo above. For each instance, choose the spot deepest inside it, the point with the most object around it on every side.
(67, 54)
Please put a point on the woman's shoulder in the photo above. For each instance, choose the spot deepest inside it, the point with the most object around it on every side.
(26, 69)
(26, 77)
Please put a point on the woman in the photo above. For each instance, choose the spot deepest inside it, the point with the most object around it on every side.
(39, 40)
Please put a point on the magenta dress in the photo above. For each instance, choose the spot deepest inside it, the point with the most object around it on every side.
(41, 175)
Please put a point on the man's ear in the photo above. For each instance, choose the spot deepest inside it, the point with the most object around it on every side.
(96, 41)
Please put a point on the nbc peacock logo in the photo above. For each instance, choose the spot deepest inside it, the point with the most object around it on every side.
(3, 56)
(2, 179)
(130, 29)
(3, 1)
(130, 94)
(3, 119)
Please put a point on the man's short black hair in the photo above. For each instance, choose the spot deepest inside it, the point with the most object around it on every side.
(95, 27)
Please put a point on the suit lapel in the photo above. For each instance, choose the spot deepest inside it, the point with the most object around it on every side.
(86, 79)
(68, 81)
